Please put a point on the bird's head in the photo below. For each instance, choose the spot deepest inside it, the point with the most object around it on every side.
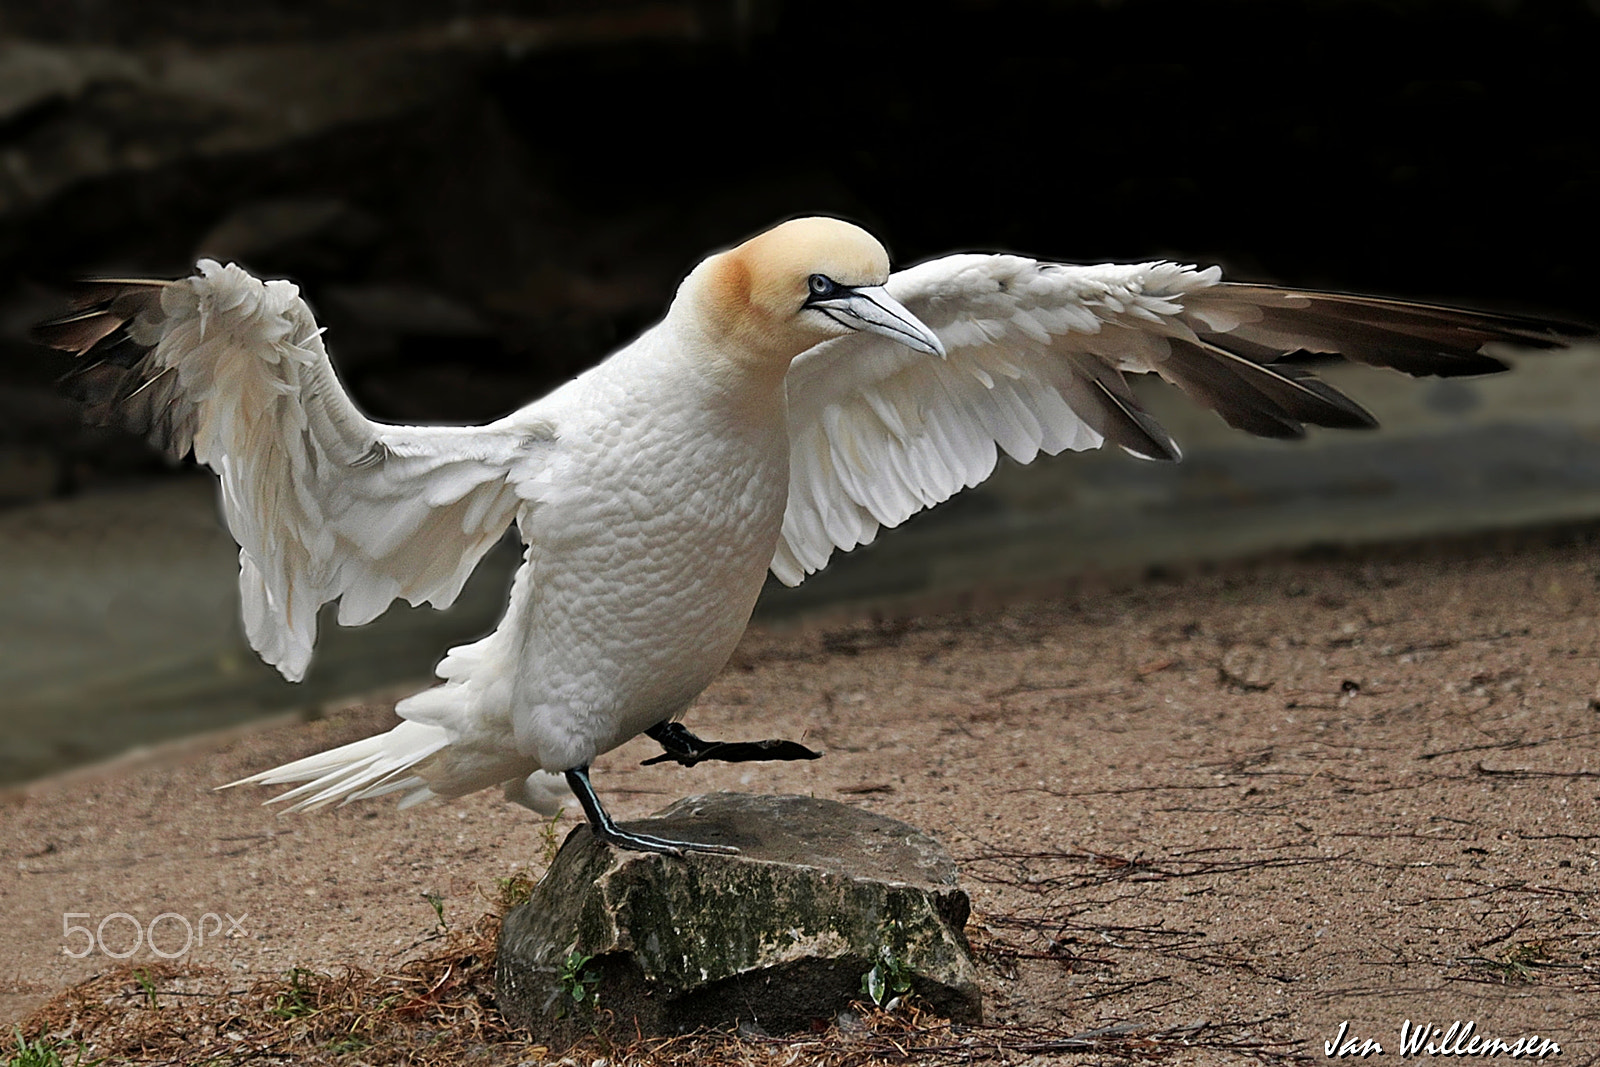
(797, 284)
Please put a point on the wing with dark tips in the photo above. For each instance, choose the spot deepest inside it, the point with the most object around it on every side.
(325, 503)
(1038, 356)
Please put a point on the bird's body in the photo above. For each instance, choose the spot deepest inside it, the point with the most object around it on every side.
(795, 398)
(639, 578)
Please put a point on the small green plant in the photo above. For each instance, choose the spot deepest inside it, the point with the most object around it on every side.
(148, 987)
(512, 890)
(437, 902)
(889, 978)
(299, 999)
(552, 840)
(1521, 962)
(352, 1043)
(579, 981)
(39, 1054)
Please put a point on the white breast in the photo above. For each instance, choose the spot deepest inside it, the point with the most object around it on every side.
(648, 554)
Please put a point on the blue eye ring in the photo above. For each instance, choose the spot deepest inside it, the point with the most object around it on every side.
(821, 285)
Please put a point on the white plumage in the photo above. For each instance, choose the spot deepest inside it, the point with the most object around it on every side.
(770, 419)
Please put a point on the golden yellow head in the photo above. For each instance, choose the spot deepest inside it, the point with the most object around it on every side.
(798, 284)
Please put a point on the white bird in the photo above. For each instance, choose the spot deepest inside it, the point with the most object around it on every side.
(796, 398)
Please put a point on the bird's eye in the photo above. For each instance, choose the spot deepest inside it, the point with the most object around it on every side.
(820, 284)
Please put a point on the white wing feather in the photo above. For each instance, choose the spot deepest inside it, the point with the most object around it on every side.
(880, 432)
(324, 503)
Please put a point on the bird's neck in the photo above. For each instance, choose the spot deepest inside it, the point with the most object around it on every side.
(738, 356)
(730, 383)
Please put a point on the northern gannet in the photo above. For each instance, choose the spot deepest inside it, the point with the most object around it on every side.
(796, 397)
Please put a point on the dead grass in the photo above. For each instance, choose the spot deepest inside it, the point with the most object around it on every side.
(434, 1010)
(438, 1011)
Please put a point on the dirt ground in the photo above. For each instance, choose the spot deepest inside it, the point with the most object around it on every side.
(1275, 796)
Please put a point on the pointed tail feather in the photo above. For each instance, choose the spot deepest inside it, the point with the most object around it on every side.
(371, 767)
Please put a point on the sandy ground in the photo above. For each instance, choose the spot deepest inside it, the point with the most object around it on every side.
(1282, 795)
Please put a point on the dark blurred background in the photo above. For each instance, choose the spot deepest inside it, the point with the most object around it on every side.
(480, 197)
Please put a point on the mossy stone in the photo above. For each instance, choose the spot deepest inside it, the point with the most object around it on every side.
(776, 937)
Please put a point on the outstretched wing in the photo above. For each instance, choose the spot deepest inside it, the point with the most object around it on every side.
(1038, 358)
(325, 503)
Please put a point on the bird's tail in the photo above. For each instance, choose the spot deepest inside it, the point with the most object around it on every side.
(371, 767)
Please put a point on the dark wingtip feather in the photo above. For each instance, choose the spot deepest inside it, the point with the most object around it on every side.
(1417, 339)
(1124, 423)
(1288, 394)
(1220, 381)
(1455, 367)
(114, 378)
(76, 333)
(100, 308)
(1336, 411)
(1530, 331)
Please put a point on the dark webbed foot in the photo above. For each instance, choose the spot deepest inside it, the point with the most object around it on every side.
(684, 747)
(601, 825)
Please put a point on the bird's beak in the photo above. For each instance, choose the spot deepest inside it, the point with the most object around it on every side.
(871, 308)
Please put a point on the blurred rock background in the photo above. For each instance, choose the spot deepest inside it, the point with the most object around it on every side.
(481, 197)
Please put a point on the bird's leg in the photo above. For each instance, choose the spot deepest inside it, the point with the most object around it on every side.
(602, 826)
(684, 747)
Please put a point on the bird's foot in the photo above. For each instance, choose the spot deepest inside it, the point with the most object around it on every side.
(604, 828)
(684, 747)
(617, 837)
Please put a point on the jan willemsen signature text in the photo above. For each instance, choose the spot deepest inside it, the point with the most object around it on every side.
(1432, 1039)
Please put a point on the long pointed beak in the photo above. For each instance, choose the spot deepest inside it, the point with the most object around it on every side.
(871, 308)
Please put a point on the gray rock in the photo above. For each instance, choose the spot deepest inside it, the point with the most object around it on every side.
(775, 938)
